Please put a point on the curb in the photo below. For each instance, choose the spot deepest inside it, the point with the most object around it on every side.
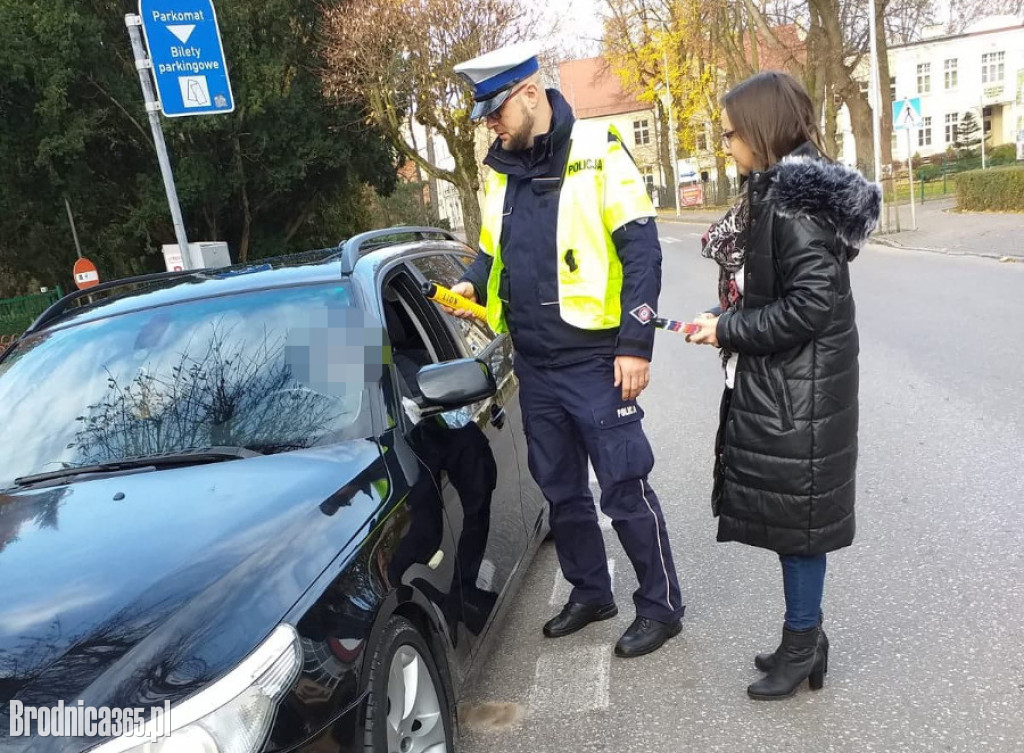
(882, 241)
(683, 221)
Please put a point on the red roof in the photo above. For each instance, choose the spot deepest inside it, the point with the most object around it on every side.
(594, 90)
(790, 52)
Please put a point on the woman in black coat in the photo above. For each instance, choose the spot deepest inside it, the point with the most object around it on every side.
(786, 451)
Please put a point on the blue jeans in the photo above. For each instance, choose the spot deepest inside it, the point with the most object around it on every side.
(803, 580)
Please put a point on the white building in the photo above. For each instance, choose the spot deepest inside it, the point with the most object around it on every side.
(449, 204)
(980, 71)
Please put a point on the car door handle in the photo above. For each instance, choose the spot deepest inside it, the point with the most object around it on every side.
(497, 416)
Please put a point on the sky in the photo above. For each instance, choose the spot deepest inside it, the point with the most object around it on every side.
(578, 24)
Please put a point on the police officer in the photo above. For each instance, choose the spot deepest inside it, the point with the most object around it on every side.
(570, 265)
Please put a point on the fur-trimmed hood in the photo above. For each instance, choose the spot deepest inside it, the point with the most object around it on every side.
(804, 184)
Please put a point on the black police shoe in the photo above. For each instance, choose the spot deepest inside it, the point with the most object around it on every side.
(575, 617)
(645, 636)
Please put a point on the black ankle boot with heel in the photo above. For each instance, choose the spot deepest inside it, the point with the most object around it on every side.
(766, 662)
(797, 659)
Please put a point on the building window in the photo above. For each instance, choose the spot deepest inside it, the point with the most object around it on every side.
(700, 141)
(648, 174)
(924, 78)
(952, 124)
(924, 133)
(993, 67)
(986, 117)
(952, 75)
(892, 88)
(641, 132)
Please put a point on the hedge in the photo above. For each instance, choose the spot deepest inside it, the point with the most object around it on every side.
(1000, 189)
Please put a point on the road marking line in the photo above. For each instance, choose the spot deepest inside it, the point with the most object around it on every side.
(571, 681)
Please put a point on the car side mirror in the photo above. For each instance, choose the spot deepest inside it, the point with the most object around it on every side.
(455, 384)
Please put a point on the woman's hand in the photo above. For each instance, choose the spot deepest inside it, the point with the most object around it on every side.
(708, 332)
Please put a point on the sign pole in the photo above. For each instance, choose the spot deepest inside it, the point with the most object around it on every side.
(910, 171)
(981, 112)
(74, 231)
(876, 106)
(144, 65)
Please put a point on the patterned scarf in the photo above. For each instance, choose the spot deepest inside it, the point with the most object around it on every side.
(724, 242)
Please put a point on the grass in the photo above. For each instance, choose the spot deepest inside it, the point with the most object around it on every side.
(932, 190)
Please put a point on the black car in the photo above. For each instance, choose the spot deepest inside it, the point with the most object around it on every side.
(290, 500)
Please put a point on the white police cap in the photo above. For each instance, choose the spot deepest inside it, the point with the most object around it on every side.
(493, 76)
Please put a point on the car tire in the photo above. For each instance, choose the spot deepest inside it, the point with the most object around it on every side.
(397, 720)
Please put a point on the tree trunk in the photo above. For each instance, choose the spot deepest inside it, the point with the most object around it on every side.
(435, 207)
(467, 181)
(831, 117)
(721, 177)
(470, 214)
(722, 194)
(885, 91)
(665, 149)
(860, 121)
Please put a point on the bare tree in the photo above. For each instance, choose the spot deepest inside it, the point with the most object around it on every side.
(963, 12)
(399, 56)
(905, 20)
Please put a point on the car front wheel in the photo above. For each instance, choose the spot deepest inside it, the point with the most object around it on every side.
(408, 710)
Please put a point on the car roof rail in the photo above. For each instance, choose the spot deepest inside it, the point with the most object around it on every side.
(256, 265)
(358, 245)
(62, 306)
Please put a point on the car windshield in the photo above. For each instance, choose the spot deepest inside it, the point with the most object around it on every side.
(270, 371)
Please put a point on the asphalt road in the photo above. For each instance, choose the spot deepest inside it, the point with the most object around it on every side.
(925, 612)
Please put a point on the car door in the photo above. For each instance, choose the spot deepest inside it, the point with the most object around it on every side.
(472, 453)
(478, 336)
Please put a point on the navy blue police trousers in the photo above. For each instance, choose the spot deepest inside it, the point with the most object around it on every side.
(573, 413)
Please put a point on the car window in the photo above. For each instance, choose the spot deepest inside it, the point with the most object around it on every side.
(273, 370)
(443, 269)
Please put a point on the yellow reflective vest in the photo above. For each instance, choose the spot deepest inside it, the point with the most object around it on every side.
(601, 191)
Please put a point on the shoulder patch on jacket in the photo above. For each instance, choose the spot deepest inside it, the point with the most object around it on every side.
(614, 137)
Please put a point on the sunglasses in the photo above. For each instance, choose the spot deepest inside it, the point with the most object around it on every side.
(496, 115)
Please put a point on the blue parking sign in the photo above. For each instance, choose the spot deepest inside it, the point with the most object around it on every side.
(188, 57)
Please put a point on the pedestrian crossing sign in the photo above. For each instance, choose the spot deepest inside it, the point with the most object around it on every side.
(906, 113)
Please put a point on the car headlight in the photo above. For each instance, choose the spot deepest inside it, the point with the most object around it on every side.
(234, 715)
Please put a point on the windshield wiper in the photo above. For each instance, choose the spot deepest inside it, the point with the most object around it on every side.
(161, 460)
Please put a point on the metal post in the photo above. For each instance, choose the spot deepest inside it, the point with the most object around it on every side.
(910, 173)
(981, 114)
(672, 135)
(876, 101)
(144, 65)
(74, 232)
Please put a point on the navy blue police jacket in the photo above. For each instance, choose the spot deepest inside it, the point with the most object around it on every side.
(529, 282)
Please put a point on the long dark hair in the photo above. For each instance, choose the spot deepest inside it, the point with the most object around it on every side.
(773, 114)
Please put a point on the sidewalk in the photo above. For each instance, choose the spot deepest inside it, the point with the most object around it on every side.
(696, 215)
(940, 229)
(943, 230)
